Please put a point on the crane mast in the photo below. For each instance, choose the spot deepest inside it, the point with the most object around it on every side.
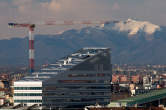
(31, 28)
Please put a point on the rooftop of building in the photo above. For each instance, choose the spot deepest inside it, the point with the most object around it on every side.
(140, 99)
(64, 63)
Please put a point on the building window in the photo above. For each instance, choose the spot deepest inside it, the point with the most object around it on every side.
(96, 67)
(81, 75)
(101, 67)
(27, 94)
(27, 101)
(76, 81)
(27, 88)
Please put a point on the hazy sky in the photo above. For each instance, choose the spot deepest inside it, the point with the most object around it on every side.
(41, 10)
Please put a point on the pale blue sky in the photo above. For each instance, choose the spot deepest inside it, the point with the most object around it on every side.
(40, 10)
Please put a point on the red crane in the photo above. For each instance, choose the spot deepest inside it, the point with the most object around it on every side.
(31, 28)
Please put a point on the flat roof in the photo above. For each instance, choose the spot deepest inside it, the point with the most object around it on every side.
(65, 63)
(140, 99)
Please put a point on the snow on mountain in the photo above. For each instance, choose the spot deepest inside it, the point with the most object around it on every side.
(131, 26)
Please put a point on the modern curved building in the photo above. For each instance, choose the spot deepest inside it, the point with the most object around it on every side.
(77, 80)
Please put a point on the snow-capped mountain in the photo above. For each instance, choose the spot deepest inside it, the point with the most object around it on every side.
(125, 50)
(132, 27)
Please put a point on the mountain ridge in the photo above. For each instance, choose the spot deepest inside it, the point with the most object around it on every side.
(141, 48)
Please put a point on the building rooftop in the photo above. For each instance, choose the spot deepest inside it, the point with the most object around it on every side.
(65, 63)
(140, 99)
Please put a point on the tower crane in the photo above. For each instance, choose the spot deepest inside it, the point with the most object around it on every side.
(31, 28)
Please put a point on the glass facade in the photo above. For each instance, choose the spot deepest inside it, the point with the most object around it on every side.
(86, 83)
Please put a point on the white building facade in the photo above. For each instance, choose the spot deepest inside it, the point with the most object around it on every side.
(28, 93)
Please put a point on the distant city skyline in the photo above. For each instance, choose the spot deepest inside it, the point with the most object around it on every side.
(40, 10)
